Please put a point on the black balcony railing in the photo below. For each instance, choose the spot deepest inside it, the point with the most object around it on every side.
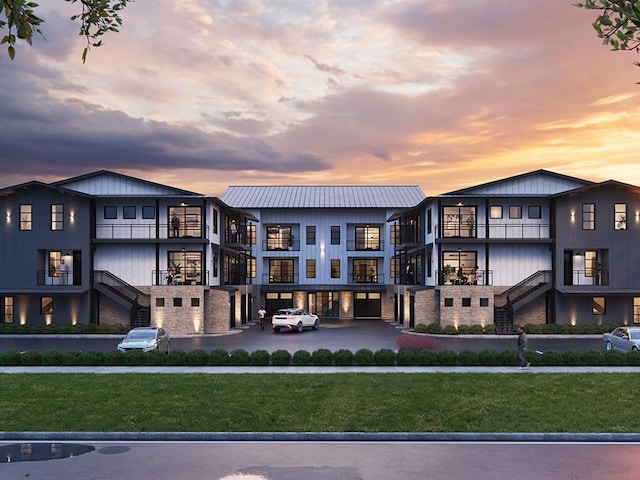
(365, 246)
(373, 277)
(277, 244)
(466, 277)
(54, 278)
(136, 231)
(280, 278)
(170, 277)
(495, 231)
(589, 277)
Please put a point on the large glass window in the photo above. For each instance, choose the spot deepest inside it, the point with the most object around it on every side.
(185, 222)
(620, 216)
(365, 271)
(368, 238)
(185, 266)
(57, 217)
(279, 238)
(394, 233)
(459, 221)
(251, 267)
(281, 270)
(251, 233)
(26, 217)
(588, 216)
(495, 212)
(462, 264)
(7, 310)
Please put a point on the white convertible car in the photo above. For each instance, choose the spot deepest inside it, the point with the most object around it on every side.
(294, 319)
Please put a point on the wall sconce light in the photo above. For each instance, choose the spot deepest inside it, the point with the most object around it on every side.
(637, 216)
(72, 216)
(573, 216)
(459, 204)
(9, 217)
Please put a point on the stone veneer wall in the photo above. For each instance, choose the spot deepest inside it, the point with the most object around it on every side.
(112, 313)
(216, 311)
(534, 313)
(425, 307)
(182, 319)
(473, 315)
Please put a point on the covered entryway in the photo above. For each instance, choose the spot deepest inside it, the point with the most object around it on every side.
(367, 305)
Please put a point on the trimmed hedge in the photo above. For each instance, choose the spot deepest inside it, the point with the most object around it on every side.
(80, 329)
(546, 329)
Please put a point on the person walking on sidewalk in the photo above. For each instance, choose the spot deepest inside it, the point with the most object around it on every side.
(261, 313)
(523, 345)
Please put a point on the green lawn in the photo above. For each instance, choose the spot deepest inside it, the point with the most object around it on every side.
(358, 402)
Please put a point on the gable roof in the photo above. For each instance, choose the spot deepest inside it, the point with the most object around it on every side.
(535, 183)
(606, 183)
(5, 192)
(107, 183)
(255, 197)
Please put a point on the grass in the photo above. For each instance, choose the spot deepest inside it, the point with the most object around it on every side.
(359, 402)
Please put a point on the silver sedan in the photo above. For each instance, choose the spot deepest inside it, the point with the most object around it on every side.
(624, 339)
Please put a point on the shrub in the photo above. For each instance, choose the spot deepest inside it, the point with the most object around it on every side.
(260, 358)
(218, 357)
(52, 358)
(426, 358)
(633, 358)
(507, 358)
(31, 358)
(384, 357)
(592, 357)
(614, 358)
(434, 329)
(10, 358)
(281, 358)
(447, 358)
(488, 358)
(415, 343)
(197, 358)
(467, 358)
(464, 329)
(572, 358)
(450, 330)
(63, 329)
(177, 358)
(405, 358)
(114, 358)
(301, 358)
(35, 329)
(363, 357)
(343, 358)
(322, 357)
(239, 357)
(72, 358)
(420, 328)
(552, 358)
(476, 329)
(135, 358)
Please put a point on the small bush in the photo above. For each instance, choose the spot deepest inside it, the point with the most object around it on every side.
(218, 357)
(507, 358)
(476, 329)
(239, 357)
(405, 358)
(31, 358)
(464, 329)
(450, 330)
(552, 358)
(488, 358)
(114, 358)
(447, 358)
(10, 358)
(301, 358)
(426, 358)
(343, 358)
(93, 358)
(614, 358)
(155, 358)
(177, 358)
(197, 358)
(633, 358)
(281, 358)
(322, 357)
(135, 358)
(384, 357)
(572, 358)
(592, 357)
(421, 328)
(73, 358)
(434, 329)
(260, 358)
(52, 358)
(363, 357)
(467, 358)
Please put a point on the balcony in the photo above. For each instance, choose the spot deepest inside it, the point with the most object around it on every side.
(467, 277)
(364, 246)
(280, 245)
(370, 278)
(170, 277)
(588, 277)
(54, 278)
(136, 231)
(509, 231)
(280, 278)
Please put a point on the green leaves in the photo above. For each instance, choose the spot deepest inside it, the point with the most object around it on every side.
(618, 23)
(97, 18)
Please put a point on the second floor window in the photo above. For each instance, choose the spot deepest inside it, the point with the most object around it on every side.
(367, 238)
(335, 235)
(279, 238)
(57, 217)
(129, 212)
(311, 268)
(311, 235)
(110, 212)
(620, 216)
(335, 268)
(26, 217)
(588, 216)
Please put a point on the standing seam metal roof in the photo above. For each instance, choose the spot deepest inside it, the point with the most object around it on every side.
(378, 196)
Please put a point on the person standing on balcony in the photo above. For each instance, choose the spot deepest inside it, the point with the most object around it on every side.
(175, 225)
(63, 269)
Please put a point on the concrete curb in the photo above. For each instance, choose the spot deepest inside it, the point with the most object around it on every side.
(318, 437)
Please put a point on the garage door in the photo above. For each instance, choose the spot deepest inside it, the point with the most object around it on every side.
(367, 305)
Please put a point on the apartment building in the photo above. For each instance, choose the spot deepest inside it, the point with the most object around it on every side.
(533, 248)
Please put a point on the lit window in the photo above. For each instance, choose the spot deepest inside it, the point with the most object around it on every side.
(598, 306)
(620, 216)
(57, 217)
(26, 217)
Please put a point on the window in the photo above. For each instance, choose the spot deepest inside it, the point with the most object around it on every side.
(636, 309)
(335, 235)
(459, 221)
(149, 212)
(129, 212)
(620, 216)
(367, 238)
(279, 238)
(215, 221)
(394, 267)
(598, 305)
(535, 211)
(335, 267)
(26, 217)
(281, 270)
(448, 302)
(214, 264)
(466, 302)
(185, 222)
(177, 301)
(515, 211)
(251, 233)
(110, 212)
(429, 220)
(195, 302)
(311, 235)
(311, 268)
(57, 217)
(7, 310)
(591, 264)
(251, 267)
(46, 305)
(394, 233)
(484, 302)
(495, 211)
(588, 216)
(159, 302)
(185, 266)
(365, 271)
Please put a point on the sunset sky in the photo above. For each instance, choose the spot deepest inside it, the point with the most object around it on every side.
(203, 94)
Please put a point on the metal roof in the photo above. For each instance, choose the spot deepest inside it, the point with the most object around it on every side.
(378, 196)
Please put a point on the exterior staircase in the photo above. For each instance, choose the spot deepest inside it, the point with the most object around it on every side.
(517, 296)
(136, 301)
